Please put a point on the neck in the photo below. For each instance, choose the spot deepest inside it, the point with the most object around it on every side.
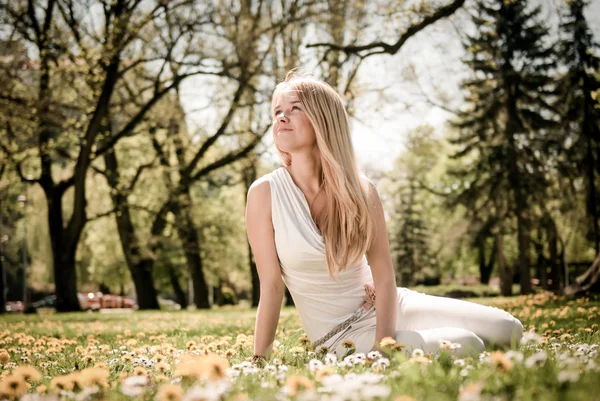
(307, 172)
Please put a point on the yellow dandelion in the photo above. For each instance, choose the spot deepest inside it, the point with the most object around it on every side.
(321, 373)
(190, 344)
(14, 386)
(60, 383)
(131, 342)
(297, 350)
(141, 335)
(230, 353)
(398, 347)
(387, 342)
(161, 378)
(160, 357)
(87, 359)
(4, 356)
(169, 392)
(100, 365)
(127, 358)
(212, 367)
(295, 384)
(139, 371)
(348, 344)
(162, 366)
(95, 376)
(499, 360)
(28, 373)
(304, 339)
(77, 379)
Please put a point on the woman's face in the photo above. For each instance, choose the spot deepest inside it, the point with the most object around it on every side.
(292, 130)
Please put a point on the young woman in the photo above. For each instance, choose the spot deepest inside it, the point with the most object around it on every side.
(310, 224)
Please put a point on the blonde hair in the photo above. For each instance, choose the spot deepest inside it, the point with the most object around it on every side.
(345, 223)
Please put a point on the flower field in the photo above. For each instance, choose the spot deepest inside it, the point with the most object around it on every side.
(205, 355)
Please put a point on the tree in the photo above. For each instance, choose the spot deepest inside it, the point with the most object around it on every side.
(87, 58)
(412, 238)
(581, 115)
(508, 127)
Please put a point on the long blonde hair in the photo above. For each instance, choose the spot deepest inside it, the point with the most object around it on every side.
(345, 223)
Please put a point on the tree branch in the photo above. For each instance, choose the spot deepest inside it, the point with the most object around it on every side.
(382, 47)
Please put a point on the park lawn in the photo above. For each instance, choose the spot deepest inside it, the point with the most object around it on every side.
(203, 355)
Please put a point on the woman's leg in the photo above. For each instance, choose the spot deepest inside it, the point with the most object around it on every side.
(418, 311)
(429, 340)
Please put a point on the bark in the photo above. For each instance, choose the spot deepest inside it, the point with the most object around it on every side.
(541, 267)
(515, 179)
(485, 266)
(555, 274)
(3, 287)
(588, 281)
(592, 202)
(177, 290)
(249, 178)
(504, 270)
(191, 247)
(139, 261)
(63, 252)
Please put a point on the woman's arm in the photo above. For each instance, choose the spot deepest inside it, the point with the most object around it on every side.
(260, 232)
(380, 260)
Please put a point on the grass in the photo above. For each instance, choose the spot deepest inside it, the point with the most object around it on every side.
(203, 355)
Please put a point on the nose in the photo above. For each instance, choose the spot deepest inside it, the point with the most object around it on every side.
(282, 117)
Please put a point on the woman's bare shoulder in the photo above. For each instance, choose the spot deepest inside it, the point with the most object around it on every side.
(260, 189)
(259, 198)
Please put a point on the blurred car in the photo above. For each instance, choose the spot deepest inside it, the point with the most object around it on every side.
(168, 304)
(46, 302)
(89, 300)
(14, 306)
(116, 301)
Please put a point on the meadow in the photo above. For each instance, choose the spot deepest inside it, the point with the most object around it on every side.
(206, 355)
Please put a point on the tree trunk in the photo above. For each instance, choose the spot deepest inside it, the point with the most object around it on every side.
(191, 248)
(541, 267)
(63, 256)
(555, 276)
(485, 268)
(65, 280)
(3, 288)
(588, 281)
(591, 201)
(139, 261)
(177, 290)
(141, 273)
(504, 270)
(523, 242)
(249, 177)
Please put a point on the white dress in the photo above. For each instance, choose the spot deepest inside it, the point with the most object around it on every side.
(323, 303)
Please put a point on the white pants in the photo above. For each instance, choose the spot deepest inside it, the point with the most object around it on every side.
(424, 320)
